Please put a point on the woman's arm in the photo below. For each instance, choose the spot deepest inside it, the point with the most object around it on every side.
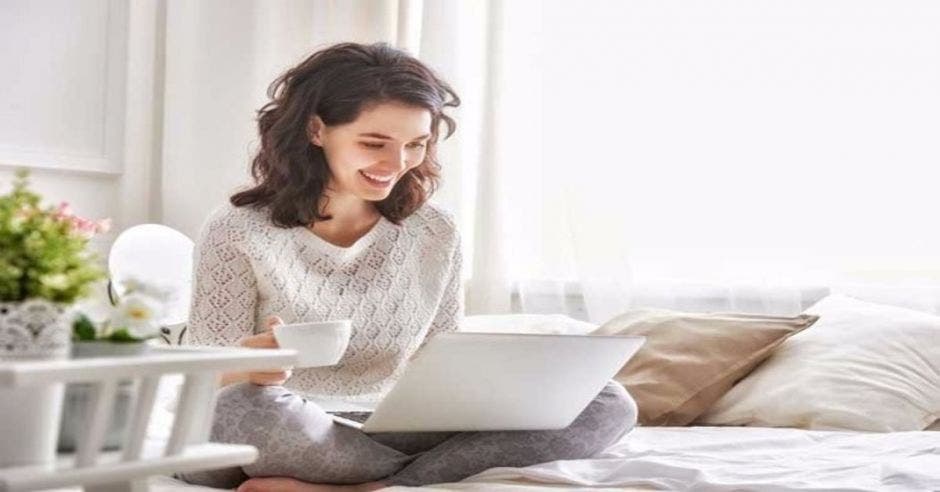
(451, 308)
(224, 295)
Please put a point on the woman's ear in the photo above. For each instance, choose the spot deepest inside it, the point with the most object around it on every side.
(315, 131)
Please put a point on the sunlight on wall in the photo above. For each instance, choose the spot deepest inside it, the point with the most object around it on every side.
(736, 139)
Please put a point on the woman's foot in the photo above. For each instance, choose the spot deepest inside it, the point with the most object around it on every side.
(284, 484)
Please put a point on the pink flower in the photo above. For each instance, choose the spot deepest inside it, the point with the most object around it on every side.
(83, 226)
(63, 211)
(86, 228)
(103, 226)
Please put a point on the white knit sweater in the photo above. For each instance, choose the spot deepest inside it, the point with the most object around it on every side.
(398, 284)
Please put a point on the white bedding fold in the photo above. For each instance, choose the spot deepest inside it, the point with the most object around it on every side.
(748, 458)
(707, 459)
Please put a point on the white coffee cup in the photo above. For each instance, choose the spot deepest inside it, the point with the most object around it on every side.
(318, 343)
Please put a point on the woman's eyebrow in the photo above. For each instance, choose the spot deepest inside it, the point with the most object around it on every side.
(386, 137)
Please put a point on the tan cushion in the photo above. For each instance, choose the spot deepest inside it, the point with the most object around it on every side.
(690, 360)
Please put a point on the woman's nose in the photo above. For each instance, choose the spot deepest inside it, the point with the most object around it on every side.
(399, 158)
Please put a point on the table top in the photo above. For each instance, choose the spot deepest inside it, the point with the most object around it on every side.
(156, 361)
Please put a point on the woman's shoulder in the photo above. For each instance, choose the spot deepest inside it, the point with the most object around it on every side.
(227, 221)
(433, 222)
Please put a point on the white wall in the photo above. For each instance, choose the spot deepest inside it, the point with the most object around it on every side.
(63, 113)
(55, 115)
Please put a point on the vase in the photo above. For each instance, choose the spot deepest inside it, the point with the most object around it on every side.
(35, 329)
(78, 397)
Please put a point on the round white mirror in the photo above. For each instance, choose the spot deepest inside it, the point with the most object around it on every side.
(159, 256)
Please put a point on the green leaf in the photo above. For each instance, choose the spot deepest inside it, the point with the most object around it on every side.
(121, 335)
(83, 328)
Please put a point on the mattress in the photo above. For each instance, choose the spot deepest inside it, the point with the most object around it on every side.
(722, 459)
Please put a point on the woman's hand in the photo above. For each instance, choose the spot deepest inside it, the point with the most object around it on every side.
(266, 340)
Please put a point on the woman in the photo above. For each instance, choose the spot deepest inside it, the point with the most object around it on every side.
(338, 227)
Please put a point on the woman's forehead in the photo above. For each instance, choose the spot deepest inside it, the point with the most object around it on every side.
(393, 120)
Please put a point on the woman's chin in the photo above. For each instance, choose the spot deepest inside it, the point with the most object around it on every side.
(373, 197)
(374, 194)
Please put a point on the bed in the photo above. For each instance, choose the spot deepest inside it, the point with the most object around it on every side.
(699, 457)
(723, 459)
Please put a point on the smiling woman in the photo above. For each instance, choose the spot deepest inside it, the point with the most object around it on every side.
(368, 163)
(338, 227)
(366, 159)
(338, 115)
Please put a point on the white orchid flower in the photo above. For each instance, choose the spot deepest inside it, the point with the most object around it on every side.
(133, 285)
(140, 314)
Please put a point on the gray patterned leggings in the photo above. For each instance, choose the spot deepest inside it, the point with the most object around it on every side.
(296, 438)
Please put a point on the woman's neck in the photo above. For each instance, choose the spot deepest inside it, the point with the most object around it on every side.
(351, 218)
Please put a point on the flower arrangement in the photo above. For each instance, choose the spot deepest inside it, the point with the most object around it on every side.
(134, 316)
(44, 256)
(43, 250)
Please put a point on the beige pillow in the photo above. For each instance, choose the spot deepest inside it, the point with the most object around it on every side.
(690, 360)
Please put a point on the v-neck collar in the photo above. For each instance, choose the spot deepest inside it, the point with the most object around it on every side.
(342, 252)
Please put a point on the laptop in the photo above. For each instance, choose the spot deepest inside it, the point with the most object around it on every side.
(497, 381)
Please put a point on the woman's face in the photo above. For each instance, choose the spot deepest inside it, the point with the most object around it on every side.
(369, 155)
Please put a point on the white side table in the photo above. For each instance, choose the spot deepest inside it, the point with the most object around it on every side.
(187, 448)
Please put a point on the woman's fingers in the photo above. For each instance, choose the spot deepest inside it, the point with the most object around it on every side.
(276, 378)
(261, 340)
(266, 338)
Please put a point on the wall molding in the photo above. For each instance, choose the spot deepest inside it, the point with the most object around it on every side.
(105, 157)
(13, 158)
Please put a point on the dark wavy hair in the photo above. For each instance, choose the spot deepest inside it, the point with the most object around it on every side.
(337, 83)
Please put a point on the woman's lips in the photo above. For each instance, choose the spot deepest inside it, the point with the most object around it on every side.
(377, 180)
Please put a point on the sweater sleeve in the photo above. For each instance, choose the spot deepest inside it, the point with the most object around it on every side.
(224, 294)
(451, 308)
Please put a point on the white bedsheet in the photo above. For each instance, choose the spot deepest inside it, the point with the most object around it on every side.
(746, 458)
(725, 459)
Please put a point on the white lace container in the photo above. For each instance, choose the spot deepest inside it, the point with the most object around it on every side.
(35, 329)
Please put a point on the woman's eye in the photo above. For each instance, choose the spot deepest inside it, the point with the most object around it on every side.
(370, 145)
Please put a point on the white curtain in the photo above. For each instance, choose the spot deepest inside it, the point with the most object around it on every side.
(732, 155)
(728, 155)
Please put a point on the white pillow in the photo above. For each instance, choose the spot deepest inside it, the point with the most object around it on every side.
(863, 366)
(557, 324)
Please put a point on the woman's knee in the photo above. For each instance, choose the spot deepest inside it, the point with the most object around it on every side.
(613, 414)
(246, 413)
(621, 410)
